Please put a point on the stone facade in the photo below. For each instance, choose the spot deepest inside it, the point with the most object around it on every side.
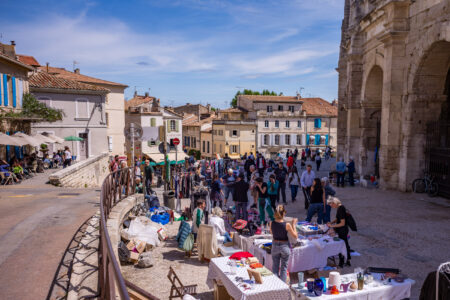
(393, 66)
(87, 173)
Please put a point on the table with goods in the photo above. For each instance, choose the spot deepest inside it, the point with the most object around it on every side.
(359, 285)
(246, 279)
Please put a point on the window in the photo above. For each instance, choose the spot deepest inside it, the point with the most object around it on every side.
(207, 147)
(317, 123)
(110, 143)
(280, 107)
(214, 148)
(299, 124)
(291, 108)
(299, 139)
(234, 149)
(81, 108)
(277, 139)
(204, 146)
(266, 124)
(46, 100)
(225, 116)
(194, 142)
(107, 119)
(266, 139)
(277, 123)
(287, 139)
(288, 123)
(153, 122)
(269, 108)
(220, 147)
(234, 133)
(173, 125)
(220, 133)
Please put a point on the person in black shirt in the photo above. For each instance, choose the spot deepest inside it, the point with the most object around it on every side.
(263, 201)
(216, 192)
(148, 172)
(340, 227)
(281, 173)
(318, 204)
(240, 197)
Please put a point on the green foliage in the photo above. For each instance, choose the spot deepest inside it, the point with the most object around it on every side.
(250, 92)
(32, 108)
(197, 154)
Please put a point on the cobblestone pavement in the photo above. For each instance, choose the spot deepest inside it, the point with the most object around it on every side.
(37, 221)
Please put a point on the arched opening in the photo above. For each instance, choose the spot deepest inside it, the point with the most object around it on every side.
(428, 137)
(370, 122)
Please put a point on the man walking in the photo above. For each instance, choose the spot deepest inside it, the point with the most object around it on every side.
(240, 189)
(351, 170)
(281, 174)
(307, 181)
(148, 172)
(340, 169)
(261, 164)
(228, 180)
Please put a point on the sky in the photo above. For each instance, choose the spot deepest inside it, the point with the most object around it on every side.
(196, 51)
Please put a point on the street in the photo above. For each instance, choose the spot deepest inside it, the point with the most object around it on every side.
(37, 222)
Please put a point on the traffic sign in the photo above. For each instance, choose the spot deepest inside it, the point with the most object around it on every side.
(176, 141)
(161, 148)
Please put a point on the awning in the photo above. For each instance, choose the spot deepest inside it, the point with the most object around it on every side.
(172, 162)
(57, 139)
(11, 141)
(159, 157)
(27, 138)
(234, 156)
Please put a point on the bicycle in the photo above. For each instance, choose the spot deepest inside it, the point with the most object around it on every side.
(426, 185)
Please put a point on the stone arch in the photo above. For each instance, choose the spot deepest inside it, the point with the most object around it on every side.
(371, 106)
(426, 102)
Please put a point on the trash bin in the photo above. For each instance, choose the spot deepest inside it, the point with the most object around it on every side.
(169, 199)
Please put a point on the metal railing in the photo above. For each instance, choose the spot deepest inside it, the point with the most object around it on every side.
(116, 186)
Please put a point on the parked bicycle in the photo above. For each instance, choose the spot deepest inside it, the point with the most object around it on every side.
(426, 185)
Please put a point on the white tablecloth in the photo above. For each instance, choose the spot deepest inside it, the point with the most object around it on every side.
(313, 254)
(373, 291)
(271, 288)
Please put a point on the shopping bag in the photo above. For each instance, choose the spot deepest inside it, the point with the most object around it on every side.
(189, 243)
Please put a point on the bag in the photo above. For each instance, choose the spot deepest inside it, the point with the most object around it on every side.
(124, 253)
(350, 222)
(189, 243)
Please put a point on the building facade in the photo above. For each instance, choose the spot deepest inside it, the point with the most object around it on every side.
(394, 82)
(286, 122)
(150, 115)
(194, 109)
(83, 106)
(234, 133)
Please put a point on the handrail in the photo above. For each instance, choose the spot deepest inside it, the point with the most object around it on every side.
(116, 186)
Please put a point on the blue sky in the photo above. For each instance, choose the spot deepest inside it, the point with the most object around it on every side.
(195, 51)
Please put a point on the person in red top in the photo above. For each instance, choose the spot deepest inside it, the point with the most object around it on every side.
(290, 161)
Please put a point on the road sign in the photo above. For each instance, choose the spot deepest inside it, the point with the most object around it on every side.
(161, 148)
(176, 141)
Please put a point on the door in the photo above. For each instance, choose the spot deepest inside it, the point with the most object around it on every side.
(84, 151)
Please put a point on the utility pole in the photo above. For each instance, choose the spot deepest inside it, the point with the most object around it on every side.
(132, 143)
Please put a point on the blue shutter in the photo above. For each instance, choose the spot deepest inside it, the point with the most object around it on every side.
(13, 81)
(5, 90)
(307, 139)
(317, 139)
(7, 150)
(326, 139)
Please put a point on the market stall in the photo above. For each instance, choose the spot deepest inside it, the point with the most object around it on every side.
(239, 286)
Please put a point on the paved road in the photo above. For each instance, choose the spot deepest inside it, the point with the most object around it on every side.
(37, 221)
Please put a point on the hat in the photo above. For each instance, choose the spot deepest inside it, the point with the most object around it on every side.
(240, 224)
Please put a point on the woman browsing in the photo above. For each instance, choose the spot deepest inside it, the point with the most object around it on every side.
(340, 226)
(318, 204)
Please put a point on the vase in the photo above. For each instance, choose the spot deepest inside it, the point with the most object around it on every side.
(318, 287)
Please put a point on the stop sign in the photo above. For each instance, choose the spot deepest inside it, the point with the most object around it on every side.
(176, 141)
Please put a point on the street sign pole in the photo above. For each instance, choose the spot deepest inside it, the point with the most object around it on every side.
(132, 144)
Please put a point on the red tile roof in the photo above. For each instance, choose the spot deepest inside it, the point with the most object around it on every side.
(318, 107)
(63, 73)
(29, 60)
(42, 80)
(261, 98)
(189, 119)
(138, 100)
(233, 109)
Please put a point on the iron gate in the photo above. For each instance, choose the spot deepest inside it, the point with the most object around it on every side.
(437, 151)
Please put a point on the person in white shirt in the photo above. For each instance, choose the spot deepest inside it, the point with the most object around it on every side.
(294, 182)
(306, 181)
(219, 225)
(67, 157)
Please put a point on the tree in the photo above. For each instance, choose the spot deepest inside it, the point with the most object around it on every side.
(250, 92)
(32, 108)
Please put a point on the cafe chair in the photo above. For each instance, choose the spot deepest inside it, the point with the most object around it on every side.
(178, 290)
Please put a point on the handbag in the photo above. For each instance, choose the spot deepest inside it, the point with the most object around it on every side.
(189, 243)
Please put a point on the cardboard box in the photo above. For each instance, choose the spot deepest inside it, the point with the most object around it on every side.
(131, 244)
(134, 257)
(140, 246)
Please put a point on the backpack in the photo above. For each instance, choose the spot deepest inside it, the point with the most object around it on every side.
(350, 221)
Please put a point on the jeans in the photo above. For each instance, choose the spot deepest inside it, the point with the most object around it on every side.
(264, 206)
(282, 189)
(350, 178)
(280, 259)
(326, 216)
(294, 190)
(67, 162)
(273, 201)
(340, 179)
(307, 194)
(148, 185)
(241, 211)
(343, 235)
(313, 209)
(227, 191)
(318, 165)
(227, 238)
(261, 172)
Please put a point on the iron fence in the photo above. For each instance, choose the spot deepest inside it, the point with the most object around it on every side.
(116, 186)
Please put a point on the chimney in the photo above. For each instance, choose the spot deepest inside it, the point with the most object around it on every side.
(47, 66)
(208, 106)
(76, 71)
(146, 94)
(135, 93)
(298, 96)
(13, 43)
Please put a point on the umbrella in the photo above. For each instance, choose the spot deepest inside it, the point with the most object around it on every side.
(12, 141)
(29, 139)
(57, 139)
(43, 139)
(72, 139)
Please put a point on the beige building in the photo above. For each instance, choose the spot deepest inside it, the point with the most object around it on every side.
(194, 109)
(197, 133)
(206, 141)
(114, 105)
(289, 122)
(394, 83)
(234, 133)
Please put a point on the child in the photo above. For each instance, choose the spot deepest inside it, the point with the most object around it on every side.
(198, 217)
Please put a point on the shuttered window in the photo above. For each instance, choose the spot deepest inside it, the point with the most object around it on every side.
(153, 122)
(318, 123)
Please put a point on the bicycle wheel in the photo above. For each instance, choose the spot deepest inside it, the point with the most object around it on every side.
(418, 185)
(433, 189)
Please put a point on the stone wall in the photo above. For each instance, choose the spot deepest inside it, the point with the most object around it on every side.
(87, 173)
